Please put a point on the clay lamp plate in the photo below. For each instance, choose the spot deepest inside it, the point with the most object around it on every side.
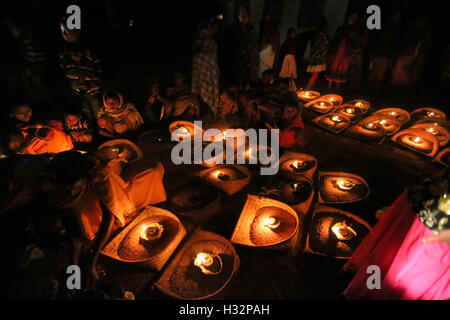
(428, 113)
(320, 106)
(341, 187)
(308, 95)
(298, 193)
(389, 124)
(333, 98)
(148, 240)
(366, 130)
(181, 130)
(294, 165)
(443, 157)
(333, 122)
(201, 269)
(196, 201)
(229, 178)
(266, 222)
(349, 111)
(361, 104)
(119, 149)
(440, 132)
(417, 140)
(335, 233)
(401, 115)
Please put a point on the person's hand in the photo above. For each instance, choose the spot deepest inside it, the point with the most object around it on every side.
(444, 236)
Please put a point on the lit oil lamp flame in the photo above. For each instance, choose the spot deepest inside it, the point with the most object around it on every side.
(271, 223)
(431, 114)
(331, 99)
(298, 165)
(416, 140)
(183, 131)
(345, 184)
(393, 113)
(432, 130)
(152, 231)
(383, 122)
(350, 110)
(370, 125)
(343, 231)
(222, 176)
(358, 104)
(205, 262)
(336, 118)
(224, 135)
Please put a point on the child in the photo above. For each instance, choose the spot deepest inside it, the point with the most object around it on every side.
(78, 128)
(21, 115)
(116, 118)
(289, 65)
(292, 131)
(39, 139)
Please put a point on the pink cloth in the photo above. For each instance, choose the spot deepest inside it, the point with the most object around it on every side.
(289, 67)
(410, 269)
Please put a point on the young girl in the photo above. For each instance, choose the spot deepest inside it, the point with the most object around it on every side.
(292, 130)
(116, 118)
(289, 65)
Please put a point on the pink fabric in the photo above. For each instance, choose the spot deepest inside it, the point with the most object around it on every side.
(410, 269)
(289, 67)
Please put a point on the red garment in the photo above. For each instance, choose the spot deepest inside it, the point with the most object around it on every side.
(410, 269)
(288, 137)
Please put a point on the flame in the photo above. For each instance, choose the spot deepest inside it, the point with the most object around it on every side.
(203, 259)
(417, 140)
(152, 231)
(343, 231)
(370, 125)
(383, 122)
(431, 130)
(336, 118)
(298, 164)
(358, 104)
(271, 223)
(345, 185)
(350, 110)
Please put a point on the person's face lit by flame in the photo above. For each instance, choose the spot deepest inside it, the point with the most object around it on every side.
(22, 113)
(112, 104)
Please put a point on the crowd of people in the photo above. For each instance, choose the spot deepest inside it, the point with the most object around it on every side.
(250, 80)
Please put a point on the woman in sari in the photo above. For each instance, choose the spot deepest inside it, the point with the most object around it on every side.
(205, 68)
(410, 245)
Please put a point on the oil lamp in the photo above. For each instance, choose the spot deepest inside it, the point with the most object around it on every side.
(336, 118)
(298, 165)
(431, 114)
(345, 185)
(151, 232)
(208, 263)
(350, 110)
(222, 176)
(416, 140)
(369, 126)
(271, 223)
(342, 231)
(432, 130)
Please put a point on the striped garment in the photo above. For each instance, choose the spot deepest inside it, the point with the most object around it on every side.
(205, 74)
(82, 69)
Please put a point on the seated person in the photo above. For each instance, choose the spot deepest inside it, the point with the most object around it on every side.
(39, 139)
(21, 115)
(227, 104)
(77, 127)
(292, 130)
(116, 118)
(268, 81)
(94, 195)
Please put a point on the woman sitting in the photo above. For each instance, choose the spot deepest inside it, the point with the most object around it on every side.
(116, 118)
